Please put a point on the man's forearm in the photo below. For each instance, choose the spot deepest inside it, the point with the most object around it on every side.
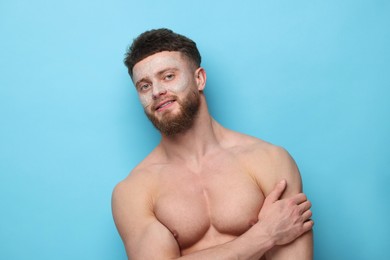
(251, 245)
(280, 223)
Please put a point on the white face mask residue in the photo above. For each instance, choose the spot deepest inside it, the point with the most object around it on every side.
(150, 69)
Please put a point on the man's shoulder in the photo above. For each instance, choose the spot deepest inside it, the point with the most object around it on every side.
(139, 180)
(249, 145)
(267, 162)
(142, 175)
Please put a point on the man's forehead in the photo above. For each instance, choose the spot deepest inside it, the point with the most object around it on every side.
(157, 62)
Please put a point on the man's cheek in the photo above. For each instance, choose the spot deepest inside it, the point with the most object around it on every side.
(178, 88)
(145, 101)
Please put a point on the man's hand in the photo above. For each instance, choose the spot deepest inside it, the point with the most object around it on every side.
(286, 219)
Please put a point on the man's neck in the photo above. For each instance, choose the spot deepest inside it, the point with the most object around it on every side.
(192, 145)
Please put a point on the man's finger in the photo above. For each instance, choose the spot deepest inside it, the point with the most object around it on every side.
(276, 193)
(308, 225)
(307, 215)
(299, 198)
(305, 206)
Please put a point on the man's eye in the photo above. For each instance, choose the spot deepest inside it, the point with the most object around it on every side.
(144, 87)
(169, 77)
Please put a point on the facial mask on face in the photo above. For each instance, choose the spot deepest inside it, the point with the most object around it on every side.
(146, 100)
(179, 86)
(152, 65)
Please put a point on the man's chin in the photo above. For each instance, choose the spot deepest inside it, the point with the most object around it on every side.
(177, 119)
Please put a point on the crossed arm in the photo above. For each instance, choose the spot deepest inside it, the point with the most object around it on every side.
(281, 222)
(284, 167)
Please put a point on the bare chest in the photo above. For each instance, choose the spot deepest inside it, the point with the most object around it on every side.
(209, 207)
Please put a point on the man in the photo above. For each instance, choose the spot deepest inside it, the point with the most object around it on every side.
(205, 192)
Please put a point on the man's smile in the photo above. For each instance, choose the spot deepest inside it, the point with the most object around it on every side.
(164, 104)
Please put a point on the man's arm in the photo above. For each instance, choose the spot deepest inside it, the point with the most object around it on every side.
(145, 237)
(284, 167)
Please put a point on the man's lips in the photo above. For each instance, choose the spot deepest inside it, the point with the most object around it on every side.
(160, 106)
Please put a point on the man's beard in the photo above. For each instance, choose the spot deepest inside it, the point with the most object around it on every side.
(178, 123)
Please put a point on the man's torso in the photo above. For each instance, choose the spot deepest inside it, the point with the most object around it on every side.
(211, 204)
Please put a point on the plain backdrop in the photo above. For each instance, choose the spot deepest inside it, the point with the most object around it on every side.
(311, 76)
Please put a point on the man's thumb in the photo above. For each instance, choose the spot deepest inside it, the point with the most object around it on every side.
(276, 193)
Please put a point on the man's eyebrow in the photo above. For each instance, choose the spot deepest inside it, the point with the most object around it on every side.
(165, 70)
(158, 74)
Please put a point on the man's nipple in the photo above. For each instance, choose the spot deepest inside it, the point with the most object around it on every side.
(252, 222)
(175, 234)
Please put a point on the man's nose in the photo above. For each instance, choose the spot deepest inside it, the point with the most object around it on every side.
(158, 90)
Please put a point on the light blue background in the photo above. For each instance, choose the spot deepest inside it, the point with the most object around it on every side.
(312, 76)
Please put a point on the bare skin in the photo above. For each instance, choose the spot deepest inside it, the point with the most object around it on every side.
(208, 192)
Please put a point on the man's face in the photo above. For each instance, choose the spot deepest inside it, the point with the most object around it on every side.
(167, 89)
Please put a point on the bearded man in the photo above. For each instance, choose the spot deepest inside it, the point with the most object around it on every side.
(205, 192)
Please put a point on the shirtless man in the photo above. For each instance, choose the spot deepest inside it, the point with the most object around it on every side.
(205, 192)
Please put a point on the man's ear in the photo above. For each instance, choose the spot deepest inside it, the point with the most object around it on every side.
(200, 77)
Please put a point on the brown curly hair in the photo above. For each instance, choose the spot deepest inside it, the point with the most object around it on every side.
(158, 40)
